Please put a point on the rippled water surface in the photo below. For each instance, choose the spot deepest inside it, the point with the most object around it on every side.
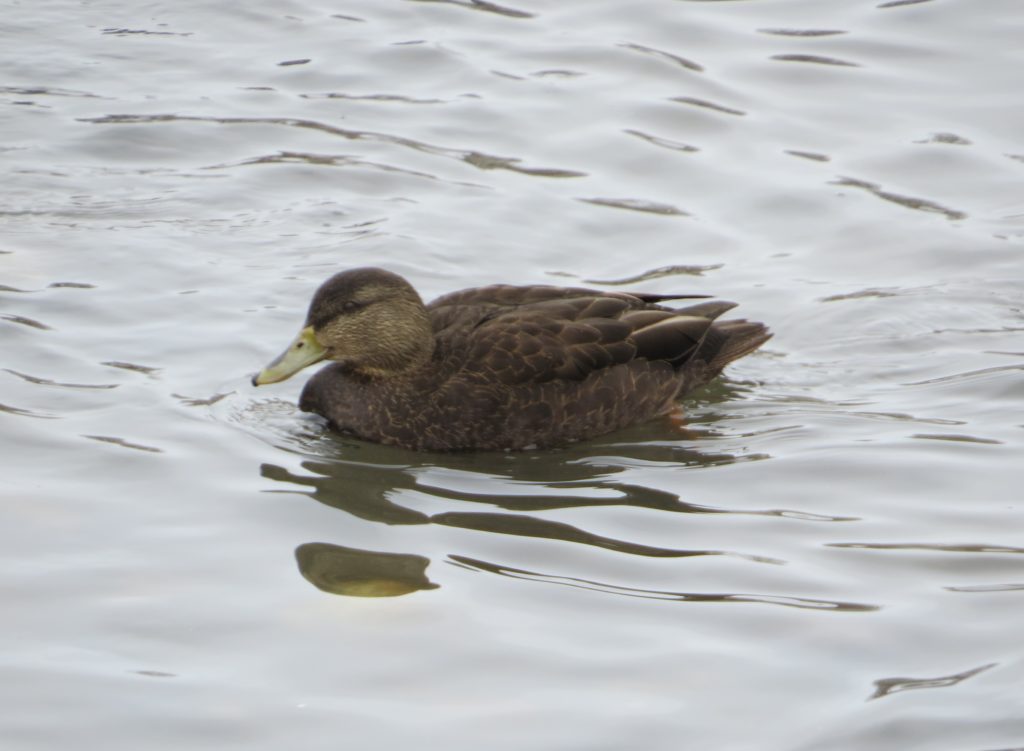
(828, 555)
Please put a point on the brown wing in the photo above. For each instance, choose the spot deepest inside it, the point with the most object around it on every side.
(509, 295)
(572, 337)
(479, 303)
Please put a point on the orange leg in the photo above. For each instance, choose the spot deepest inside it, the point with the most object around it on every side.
(677, 419)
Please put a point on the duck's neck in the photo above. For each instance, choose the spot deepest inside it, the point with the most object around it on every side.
(400, 350)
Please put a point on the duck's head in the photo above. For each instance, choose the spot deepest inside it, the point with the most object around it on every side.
(371, 320)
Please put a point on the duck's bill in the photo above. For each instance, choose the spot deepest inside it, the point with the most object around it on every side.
(301, 353)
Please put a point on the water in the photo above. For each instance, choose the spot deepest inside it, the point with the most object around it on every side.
(830, 554)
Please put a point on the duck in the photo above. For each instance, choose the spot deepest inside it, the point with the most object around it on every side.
(501, 367)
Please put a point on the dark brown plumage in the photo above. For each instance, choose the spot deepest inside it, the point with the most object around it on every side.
(502, 367)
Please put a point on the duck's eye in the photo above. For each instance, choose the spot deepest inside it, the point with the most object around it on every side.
(350, 306)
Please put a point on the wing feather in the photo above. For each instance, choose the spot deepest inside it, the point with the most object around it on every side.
(519, 335)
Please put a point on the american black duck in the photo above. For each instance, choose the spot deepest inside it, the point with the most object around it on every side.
(501, 367)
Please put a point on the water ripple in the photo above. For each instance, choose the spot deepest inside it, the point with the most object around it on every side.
(636, 204)
(1014, 587)
(804, 603)
(910, 202)
(705, 104)
(328, 160)
(957, 437)
(47, 91)
(144, 369)
(474, 158)
(967, 375)
(666, 143)
(25, 412)
(48, 382)
(813, 156)
(373, 98)
(887, 686)
(816, 59)
(197, 401)
(680, 61)
(899, 3)
(930, 547)
(124, 443)
(30, 322)
(112, 31)
(552, 72)
(482, 5)
(947, 138)
(803, 32)
(874, 292)
(658, 273)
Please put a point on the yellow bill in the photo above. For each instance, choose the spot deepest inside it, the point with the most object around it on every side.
(301, 353)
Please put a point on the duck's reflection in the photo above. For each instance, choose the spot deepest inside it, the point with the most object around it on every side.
(356, 488)
(370, 490)
(362, 573)
(379, 484)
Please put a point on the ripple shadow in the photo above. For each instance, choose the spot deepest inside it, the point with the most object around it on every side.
(805, 603)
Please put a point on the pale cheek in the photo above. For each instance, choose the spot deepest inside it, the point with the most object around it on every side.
(345, 339)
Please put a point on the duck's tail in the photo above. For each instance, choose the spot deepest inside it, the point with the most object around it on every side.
(731, 340)
(724, 341)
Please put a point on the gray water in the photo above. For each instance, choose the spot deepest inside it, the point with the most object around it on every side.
(830, 555)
